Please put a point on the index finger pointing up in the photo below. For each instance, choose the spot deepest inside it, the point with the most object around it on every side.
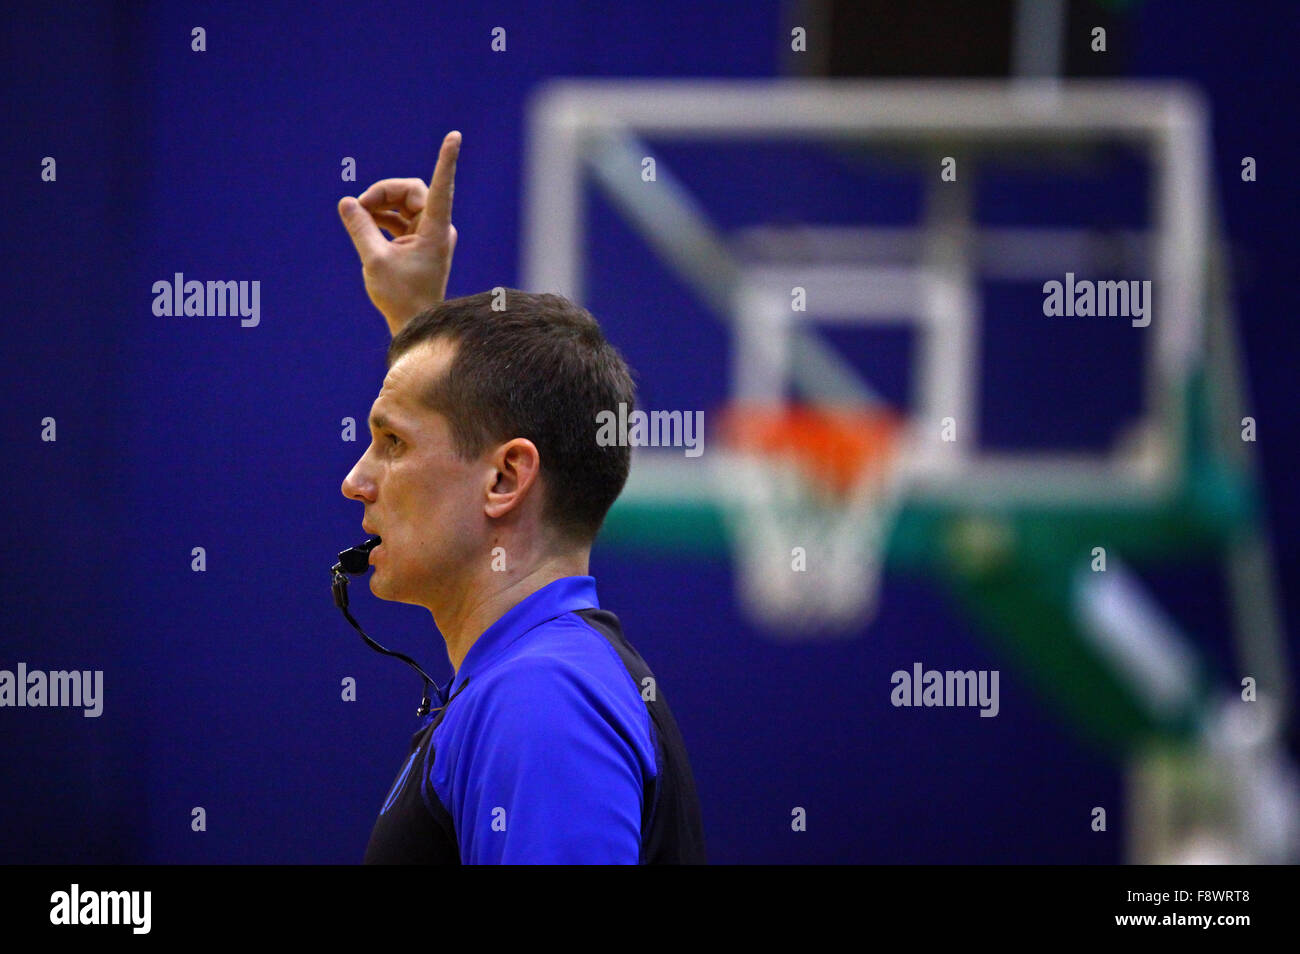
(436, 218)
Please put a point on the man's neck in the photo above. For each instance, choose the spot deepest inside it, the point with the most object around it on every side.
(487, 599)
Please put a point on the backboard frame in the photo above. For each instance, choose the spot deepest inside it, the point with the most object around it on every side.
(591, 128)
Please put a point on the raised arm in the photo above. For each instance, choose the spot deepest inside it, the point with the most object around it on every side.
(408, 274)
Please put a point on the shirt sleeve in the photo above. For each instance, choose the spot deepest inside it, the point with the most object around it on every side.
(548, 770)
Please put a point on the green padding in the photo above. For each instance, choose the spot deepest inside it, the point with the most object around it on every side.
(1025, 607)
(1187, 527)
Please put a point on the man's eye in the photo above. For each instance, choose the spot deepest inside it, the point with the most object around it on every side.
(394, 440)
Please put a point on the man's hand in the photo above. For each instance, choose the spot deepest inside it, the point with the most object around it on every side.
(409, 274)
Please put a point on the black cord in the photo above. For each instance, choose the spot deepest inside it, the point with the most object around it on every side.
(453, 696)
(340, 588)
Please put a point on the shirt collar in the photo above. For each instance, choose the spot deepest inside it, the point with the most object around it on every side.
(556, 598)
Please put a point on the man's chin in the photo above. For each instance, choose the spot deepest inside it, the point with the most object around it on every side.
(380, 590)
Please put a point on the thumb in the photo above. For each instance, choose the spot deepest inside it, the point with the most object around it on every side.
(365, 234)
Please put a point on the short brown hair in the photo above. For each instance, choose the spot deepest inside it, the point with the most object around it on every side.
(540, 369)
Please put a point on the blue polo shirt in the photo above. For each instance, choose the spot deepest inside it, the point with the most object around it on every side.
(553, 743)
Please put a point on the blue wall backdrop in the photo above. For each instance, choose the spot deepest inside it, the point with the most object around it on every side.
(222, 688)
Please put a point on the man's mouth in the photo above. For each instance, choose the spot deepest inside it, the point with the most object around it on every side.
(373, 542)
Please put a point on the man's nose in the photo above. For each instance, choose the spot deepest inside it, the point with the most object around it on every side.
(357, 485)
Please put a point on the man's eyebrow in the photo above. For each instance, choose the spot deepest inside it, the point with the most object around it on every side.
(378, 422)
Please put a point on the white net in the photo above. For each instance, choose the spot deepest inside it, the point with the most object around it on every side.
(808, 559)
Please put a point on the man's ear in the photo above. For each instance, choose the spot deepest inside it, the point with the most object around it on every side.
(516, 466)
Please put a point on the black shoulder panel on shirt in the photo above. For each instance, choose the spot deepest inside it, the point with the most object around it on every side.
(410, 830)
(674, 831)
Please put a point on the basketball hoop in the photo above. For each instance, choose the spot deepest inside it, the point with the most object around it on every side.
(812, 496)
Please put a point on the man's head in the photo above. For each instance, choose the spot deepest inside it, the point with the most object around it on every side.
(483, 435)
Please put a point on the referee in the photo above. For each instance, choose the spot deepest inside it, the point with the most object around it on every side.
(552, 742)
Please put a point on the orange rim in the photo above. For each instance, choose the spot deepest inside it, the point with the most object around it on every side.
(836, 447)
